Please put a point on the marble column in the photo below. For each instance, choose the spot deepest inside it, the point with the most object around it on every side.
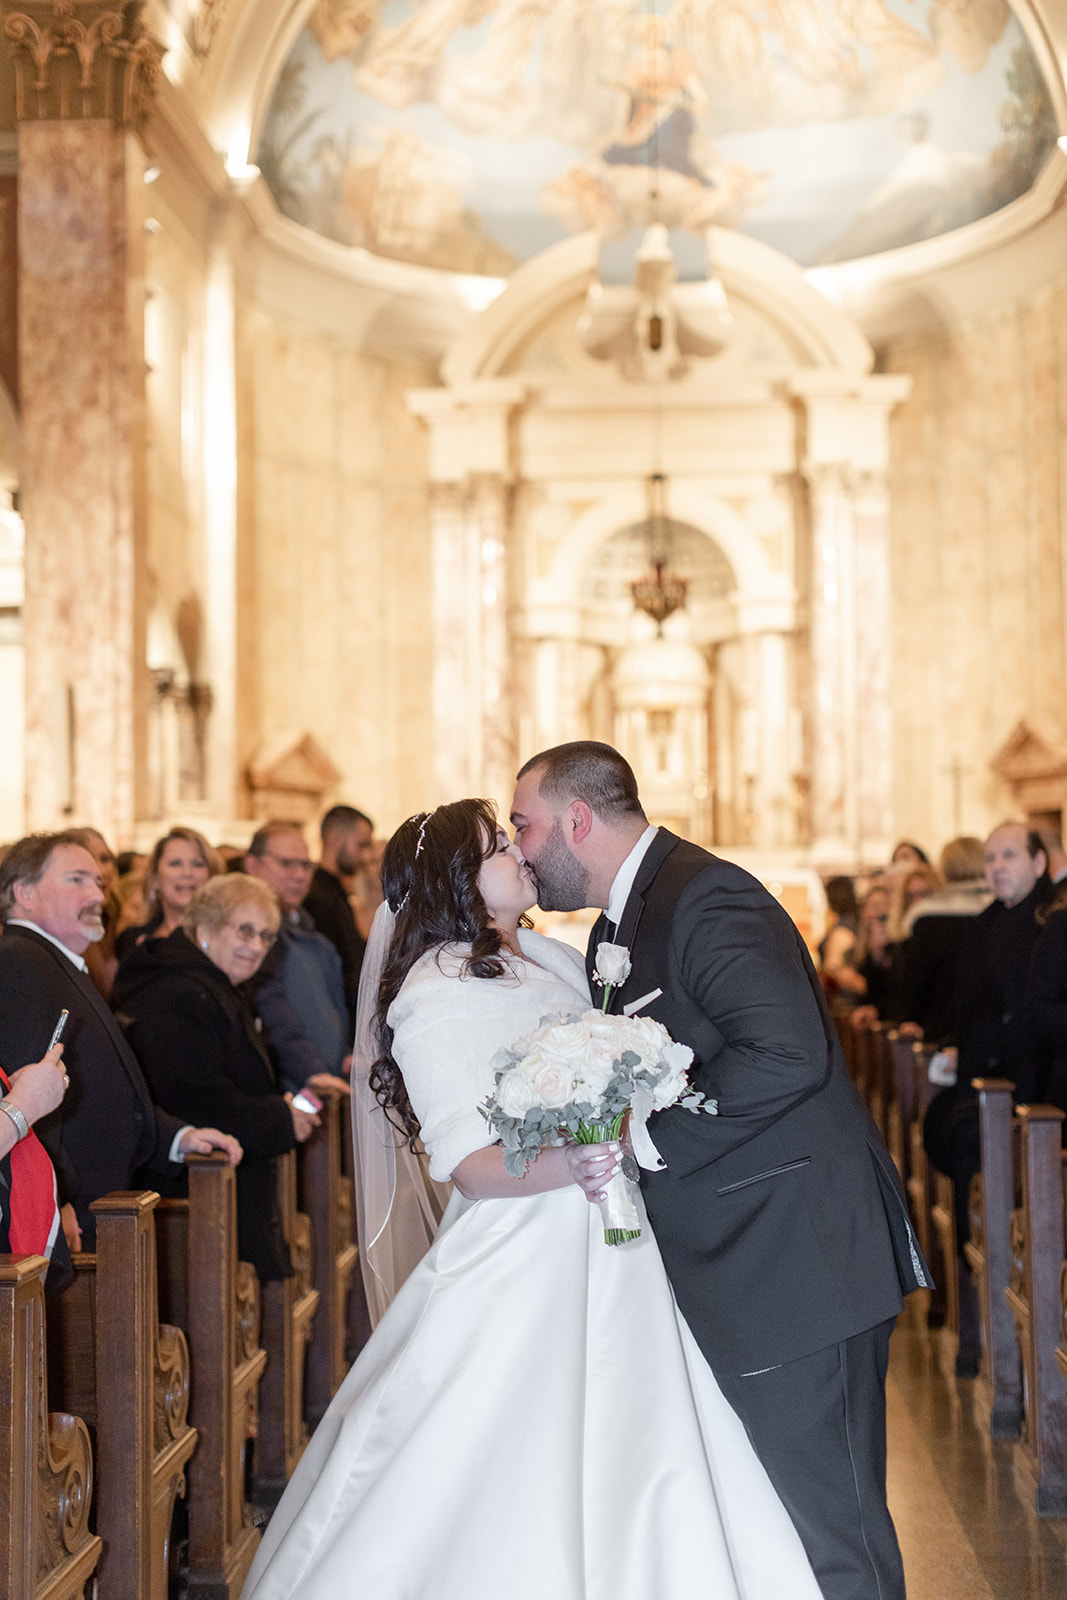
(850, 665)
(834, 688)
(84, 79)
(765, 744)
(474, 737)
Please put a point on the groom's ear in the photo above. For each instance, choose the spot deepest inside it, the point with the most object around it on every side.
(579, 821)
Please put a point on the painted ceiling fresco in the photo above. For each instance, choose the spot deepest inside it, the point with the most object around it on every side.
(472, 134)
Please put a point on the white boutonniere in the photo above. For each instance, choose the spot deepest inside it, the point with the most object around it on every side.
(611, 968)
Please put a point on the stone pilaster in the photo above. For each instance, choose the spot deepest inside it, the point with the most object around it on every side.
(85, 74)
(475, 743)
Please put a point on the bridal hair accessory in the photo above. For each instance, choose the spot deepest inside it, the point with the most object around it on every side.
(579, 1077)
(611, 968)
(422, 832)
(425, 815)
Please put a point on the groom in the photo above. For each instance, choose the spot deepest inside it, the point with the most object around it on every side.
(781, 1220)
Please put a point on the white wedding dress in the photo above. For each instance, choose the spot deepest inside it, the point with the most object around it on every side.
(532, 1418)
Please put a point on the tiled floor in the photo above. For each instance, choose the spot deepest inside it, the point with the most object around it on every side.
(965, 1530)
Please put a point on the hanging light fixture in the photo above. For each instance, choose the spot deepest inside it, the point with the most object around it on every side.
(662, 593)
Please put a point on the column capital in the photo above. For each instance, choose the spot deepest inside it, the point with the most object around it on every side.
(77, 60)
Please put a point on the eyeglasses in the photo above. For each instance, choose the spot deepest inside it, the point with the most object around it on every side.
(291, 863)
(245, 931)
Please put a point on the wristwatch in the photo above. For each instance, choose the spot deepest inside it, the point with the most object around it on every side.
(10, 1109)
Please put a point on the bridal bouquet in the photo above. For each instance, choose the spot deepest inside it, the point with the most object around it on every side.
(577, 1077)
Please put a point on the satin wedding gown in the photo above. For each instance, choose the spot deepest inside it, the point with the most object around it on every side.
(531, 1418)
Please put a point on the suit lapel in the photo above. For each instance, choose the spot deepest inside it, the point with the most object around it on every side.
(91, 995)
(653, 859)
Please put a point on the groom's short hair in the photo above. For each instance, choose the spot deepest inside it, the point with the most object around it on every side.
(587, 770)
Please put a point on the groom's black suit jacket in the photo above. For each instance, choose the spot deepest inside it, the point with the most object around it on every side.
(781, 1221)
(107, 1126)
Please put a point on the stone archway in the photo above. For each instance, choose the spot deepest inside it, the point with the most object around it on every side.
(777, 450)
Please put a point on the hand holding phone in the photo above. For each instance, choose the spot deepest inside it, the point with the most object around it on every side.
(304, 1100)
(57, 1031)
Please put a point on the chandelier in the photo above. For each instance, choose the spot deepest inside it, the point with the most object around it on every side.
(662, 593)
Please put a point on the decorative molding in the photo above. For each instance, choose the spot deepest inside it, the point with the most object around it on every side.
(81, 59)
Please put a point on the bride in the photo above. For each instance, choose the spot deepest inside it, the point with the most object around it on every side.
(532, 1416)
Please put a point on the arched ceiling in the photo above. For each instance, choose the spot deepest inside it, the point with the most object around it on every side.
(471, 134)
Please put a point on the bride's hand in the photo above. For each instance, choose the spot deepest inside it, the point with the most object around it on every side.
(592, 1166)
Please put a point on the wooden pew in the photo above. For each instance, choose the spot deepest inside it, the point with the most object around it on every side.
(326, 1198)
(288, 1307)
(113, 1363)
(215, 1298)
(1034, 1298)
(988, 1252)
(46, 1469)
(921, 1185)
(902, 1103)
(943, 1223)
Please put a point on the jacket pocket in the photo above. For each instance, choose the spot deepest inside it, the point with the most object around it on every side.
(772, 1172)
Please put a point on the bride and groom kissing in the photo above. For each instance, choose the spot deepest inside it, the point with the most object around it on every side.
(537, 1413)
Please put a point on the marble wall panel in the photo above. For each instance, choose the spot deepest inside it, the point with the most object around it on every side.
(979, 519)
(9, 266)
(341, 604)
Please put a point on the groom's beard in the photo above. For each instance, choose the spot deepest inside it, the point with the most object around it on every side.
(562, 881)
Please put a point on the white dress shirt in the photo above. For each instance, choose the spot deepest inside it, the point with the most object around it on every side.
(624, 879)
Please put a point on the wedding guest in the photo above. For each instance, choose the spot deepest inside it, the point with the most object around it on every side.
(347, 842)
(1052, 840)
(993, 1033)
(107, 1127)
(934, 928)
(180, 864)
(837, 946)
(199, 1042)
(299, 989)
(906, 889)
(29, 1207)
(100, 958)
(128, 861)
(909, 854)
(876, 961)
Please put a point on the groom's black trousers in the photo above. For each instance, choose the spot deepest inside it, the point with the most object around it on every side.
(818, 1426)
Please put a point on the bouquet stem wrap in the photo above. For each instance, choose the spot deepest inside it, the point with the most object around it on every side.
(617, 1208)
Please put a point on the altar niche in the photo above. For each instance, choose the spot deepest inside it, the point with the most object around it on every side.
(761, 717)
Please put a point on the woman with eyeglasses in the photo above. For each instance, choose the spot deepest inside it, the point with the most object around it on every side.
(199, 1042)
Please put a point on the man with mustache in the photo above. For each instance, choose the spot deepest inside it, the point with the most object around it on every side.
(107, 1126)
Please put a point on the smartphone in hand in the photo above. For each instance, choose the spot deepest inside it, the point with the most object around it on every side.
(306, 1101)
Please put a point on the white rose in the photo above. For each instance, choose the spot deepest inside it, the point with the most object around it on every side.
(675, 1063)
(568, 1041)
(649, 1038)
(612, 965)
(553, 1084)
(598, 1067)
(515, 1095)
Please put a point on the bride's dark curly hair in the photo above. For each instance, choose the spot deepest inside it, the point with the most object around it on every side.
(430, 878)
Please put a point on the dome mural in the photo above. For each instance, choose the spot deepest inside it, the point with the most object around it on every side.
(472, 134)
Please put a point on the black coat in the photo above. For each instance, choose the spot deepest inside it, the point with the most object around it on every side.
(198, 1041)
(107, 1127)
(1046, 1005)
(992, 1024)
(781, 1221)
(329, 908)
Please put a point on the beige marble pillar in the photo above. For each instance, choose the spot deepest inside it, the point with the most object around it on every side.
(834, 689)
(84, 76)
(850, 665)
(765, 743)
(475, 743)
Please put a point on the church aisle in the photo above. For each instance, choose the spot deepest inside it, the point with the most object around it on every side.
(964, 1531)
